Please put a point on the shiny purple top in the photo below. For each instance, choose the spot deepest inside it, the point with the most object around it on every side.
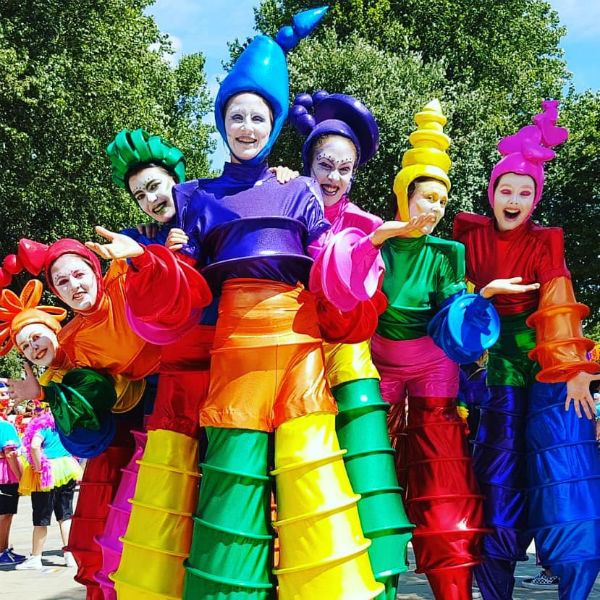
(246, 224)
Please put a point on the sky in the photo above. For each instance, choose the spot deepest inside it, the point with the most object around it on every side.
(207, 25)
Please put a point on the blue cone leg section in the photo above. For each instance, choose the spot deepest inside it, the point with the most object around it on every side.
(499, 462)
(563, 467)
(576, 579)
(495, 578)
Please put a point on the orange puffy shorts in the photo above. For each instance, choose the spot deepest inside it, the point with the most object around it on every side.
(267, 358)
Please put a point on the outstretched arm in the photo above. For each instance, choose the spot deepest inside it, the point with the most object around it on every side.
(391, 229)
(507, 286)
(119, 246)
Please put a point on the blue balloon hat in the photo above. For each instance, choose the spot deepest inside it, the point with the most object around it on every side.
(87, 443)
(262, 69)
(335, 114)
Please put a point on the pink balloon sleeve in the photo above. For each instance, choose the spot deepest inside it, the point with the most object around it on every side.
(347, 267)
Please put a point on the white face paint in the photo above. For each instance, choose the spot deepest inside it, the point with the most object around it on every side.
(37, 343)
(152, 188)
(333, 166)
(513, 200)
(248, 125)
(429, 197)
(75, 282)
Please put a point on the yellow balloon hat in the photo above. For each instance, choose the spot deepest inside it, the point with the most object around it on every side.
(427, 157)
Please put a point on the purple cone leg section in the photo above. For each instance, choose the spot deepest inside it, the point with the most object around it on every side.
(495, 578)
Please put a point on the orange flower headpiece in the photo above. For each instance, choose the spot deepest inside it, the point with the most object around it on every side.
(18, 311)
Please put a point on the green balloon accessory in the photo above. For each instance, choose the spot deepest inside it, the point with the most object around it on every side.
(132, 148)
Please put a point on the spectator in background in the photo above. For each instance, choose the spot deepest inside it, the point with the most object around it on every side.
(10, 473)
(50, 478)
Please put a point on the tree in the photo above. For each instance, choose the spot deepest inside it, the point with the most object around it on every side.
(74, 73)
(511, 48)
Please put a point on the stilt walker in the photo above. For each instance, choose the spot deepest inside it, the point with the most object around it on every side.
(430, 325)
(341, 135)
(536, 458)
(253, 240)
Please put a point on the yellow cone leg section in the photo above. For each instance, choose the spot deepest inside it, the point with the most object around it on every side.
(159, 533)
(323, 552)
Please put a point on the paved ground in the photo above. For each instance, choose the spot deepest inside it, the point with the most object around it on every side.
(55, 581)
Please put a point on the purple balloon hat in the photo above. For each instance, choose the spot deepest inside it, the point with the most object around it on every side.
(336, 114)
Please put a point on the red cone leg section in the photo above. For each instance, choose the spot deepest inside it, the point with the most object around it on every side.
(451, 584)
(443, 499)
(99, 483)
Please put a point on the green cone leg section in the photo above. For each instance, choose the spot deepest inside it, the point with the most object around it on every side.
(391, 587)
(362, 430)
(232, 543)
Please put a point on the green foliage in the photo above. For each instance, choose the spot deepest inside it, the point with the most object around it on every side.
(74, 73)
(11, 365)
(503, 46)
(571, 197)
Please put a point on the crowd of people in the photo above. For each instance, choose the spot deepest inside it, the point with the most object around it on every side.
(307, 355)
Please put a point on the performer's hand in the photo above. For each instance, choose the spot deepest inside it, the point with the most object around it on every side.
(25, 389)
(283, 174)
(422, 223)
(578, 390)
(176, 239)
(120, 246)
(149, 230)
(507, 286)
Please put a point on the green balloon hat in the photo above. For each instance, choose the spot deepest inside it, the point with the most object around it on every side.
(132, 148)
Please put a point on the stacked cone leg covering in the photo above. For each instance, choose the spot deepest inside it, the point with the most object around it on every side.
(232, 545)
(158, 535)
(499, 460)
(323, 552)
(117, 519)
(443, 497)
(397, 432)
(97, 488)
(563, 469)
(362, 431)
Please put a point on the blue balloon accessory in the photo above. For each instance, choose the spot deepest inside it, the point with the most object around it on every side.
(336, 114)
(465, 326)
(87, 443)
(474, 322)
(262, 69)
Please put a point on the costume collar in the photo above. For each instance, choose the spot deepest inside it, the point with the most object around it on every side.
(513, 234)
(334, 211)
(408, 244)
(246, 173)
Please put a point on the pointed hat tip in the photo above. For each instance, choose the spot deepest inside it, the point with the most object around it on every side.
(306, 21)
(434, 106)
